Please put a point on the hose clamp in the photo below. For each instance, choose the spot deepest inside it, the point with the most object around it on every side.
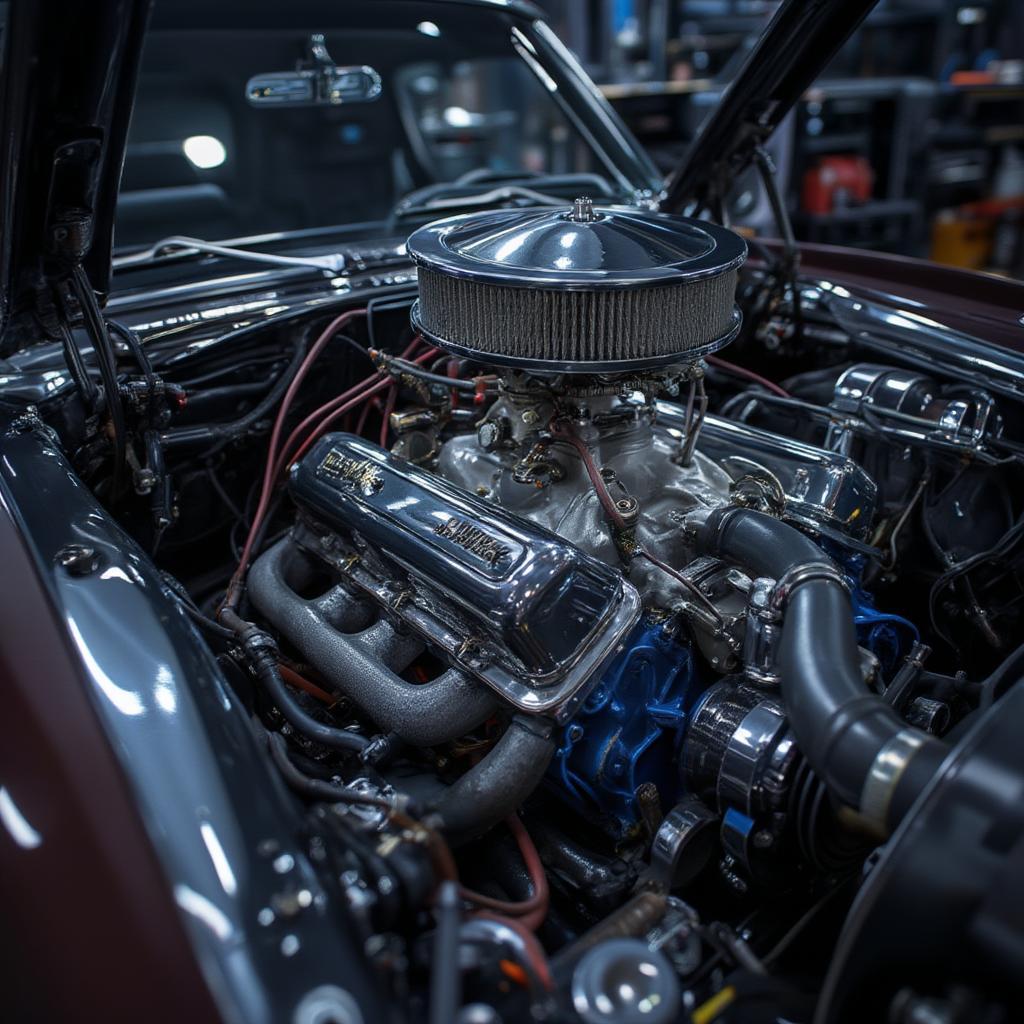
(703, 526)
(809, 572)
(886, 770)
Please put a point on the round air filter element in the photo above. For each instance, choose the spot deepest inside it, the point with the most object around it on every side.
(580, 290)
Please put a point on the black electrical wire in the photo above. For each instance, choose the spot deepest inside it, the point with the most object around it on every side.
(780, 213)
(263, 657)
(231, 392)
(382, 302)
(223, 371)
(205, 623)
(952, 568)
(349, 340)
(107, 361)
(869, 420)
(161, 490)
(432, 378)
(221, 434)
(998, 551)
(318, 789)
(795, 930)
(445, 969)
(77, 368)
(222, 493)
(189, 607)
(135, 346)
(261, 532)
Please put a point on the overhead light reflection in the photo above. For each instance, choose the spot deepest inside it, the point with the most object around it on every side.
(207, 913)
(458, 117)
(115, 572)
(205, 151)
(506, 249)
(163, 690)
(126, 701)
(221, 864)
(16, 823)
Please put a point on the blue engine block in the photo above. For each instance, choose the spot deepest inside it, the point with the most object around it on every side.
(889, 637)
(628, 731)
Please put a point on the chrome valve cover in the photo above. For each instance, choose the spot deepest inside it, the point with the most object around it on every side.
(520, 608)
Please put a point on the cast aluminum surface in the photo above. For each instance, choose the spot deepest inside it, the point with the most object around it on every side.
(820, 488)
(644, 461)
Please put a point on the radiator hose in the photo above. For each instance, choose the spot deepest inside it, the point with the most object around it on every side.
(868, 757)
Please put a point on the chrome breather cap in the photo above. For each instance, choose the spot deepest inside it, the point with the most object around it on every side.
(582, 289)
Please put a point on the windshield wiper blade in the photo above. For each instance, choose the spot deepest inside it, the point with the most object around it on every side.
(332, 263)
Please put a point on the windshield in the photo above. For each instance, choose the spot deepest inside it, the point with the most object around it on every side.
(460, 93)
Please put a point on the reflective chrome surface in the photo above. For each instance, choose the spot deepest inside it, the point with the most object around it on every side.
(911, 406)
(730, 742)
(740, 779)
(684, 843)
(581, 289)
(610, 247)
(622, 981)
(884, 776)
(514, 605)
(909, 335)
(761, 635)
(821, 487)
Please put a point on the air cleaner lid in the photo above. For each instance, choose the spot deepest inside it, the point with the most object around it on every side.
(581, 248)
(582, 289)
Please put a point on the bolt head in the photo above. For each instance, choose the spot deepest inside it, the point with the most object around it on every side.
(78, 559)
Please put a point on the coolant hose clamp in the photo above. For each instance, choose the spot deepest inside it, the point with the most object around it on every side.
(888, 767)
(798, 575)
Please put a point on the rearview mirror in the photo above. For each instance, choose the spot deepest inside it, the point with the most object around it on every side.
(317, 82)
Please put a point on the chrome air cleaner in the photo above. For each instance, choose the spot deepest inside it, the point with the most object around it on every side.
(580, 290)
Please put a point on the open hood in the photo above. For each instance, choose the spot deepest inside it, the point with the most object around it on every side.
(68, 82)
(800, 40)
(68, 78)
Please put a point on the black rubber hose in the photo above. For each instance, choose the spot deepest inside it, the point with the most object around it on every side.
(77, 368)
(839, 725)
(264, 661)
(106, 359)
(445, 969)
(219, 434)
(317, 789)
(134, 343)
(328, 735)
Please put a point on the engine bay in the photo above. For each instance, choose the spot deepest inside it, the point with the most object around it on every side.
(606, 602)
